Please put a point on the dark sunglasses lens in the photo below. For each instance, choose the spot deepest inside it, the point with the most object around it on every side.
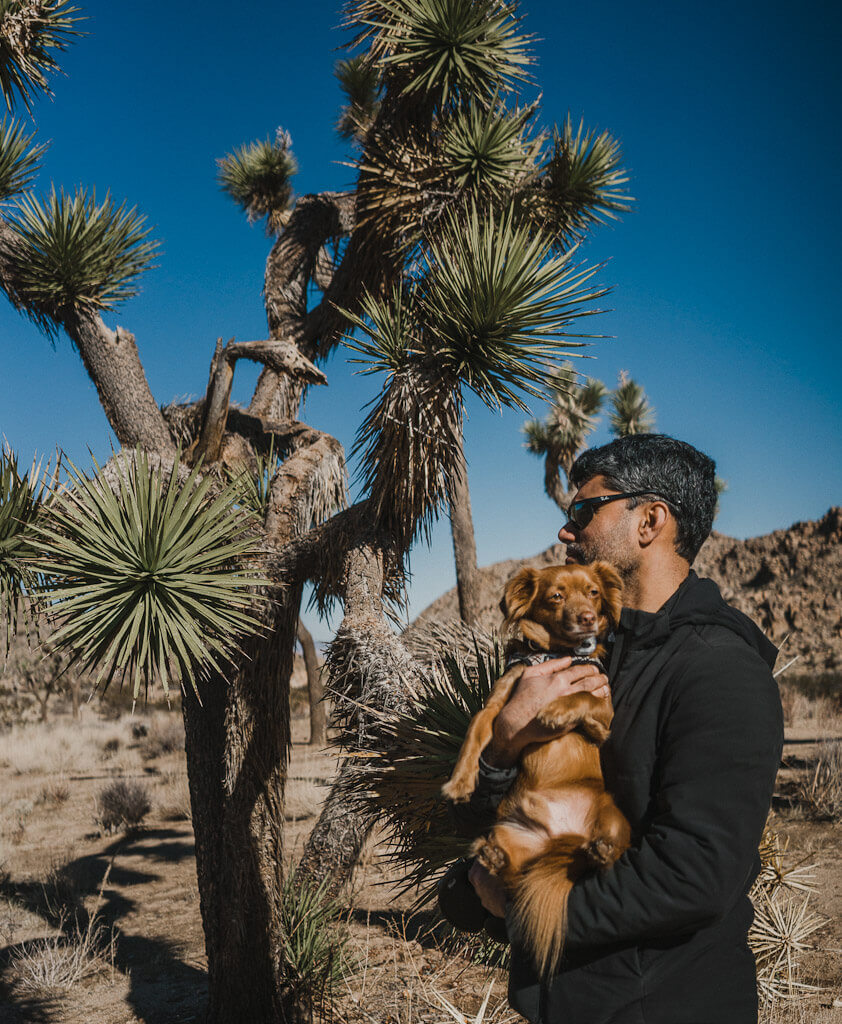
(580, 514)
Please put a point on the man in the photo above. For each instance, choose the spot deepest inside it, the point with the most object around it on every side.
(696, 741)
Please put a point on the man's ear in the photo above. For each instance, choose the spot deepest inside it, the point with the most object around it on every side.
(612, 589)
(519, 594)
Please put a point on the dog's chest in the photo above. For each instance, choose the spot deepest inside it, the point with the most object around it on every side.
(558, 811)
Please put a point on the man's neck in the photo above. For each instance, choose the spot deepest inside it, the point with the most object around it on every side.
(650, 587)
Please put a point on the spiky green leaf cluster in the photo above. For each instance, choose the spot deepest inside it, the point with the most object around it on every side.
(486, 149)
(70, 253)
(258, 177)
(582, 182)
(424, 739)
(631, 412)
(498, 305)
(146, 577)
(571, 418)
(19, 158)
(359, 79)
(389, 329)
(32, 34)
(315, 940)
(444, 48)
(22, 499)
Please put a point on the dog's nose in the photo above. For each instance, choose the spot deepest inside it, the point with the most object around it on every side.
(586, 618)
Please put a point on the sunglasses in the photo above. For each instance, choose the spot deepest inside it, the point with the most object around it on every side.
(580, 513)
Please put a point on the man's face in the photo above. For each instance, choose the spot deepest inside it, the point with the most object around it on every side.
(611, 535)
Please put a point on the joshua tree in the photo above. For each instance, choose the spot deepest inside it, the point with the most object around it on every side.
(451, 261)
(573, 415)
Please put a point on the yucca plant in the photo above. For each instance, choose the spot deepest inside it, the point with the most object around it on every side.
(258, 177)
(19, 158)
(631, 412)
(254, 483)
(359, 78)
(316, 947)
(70, 253)
(783, 921)
(22, 499)
(582, 183)
(403, 787)
(147, 572)
(32, 34)
(440, 47)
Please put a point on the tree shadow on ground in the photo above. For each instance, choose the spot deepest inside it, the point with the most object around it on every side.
(163, 989)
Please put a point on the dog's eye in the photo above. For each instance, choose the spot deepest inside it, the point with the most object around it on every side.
(594, 592)
(556, 597)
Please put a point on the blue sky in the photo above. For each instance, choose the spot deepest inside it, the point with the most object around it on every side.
(725, 302)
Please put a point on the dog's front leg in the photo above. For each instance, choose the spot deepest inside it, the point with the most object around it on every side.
(463, 780)
(593, 715)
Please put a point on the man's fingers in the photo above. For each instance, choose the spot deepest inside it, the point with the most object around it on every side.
(547, 668)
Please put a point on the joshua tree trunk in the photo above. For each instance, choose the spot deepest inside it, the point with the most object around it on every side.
(315, 690)
(468, 579)
(237, 743)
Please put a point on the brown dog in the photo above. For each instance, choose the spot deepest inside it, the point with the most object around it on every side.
(557, 822)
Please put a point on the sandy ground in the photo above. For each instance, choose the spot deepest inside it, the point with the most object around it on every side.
(49, 844)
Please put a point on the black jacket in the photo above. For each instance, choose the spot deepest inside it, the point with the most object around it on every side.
(691, 761)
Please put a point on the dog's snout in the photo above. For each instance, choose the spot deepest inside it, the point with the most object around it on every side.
(586, 618)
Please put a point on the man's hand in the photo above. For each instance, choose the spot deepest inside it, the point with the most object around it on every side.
(489, 889)
(516, 726)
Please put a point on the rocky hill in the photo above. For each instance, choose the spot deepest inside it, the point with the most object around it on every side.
(789, 582)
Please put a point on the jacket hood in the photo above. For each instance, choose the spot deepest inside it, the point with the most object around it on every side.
(696, 602)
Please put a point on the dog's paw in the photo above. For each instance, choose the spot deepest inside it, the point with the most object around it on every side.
(459, 787)
(490, 855)
(596, 730)
(601, 853)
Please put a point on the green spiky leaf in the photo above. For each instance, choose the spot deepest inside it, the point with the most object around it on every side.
(360, 81)
(583, 182)
(19, 158)
(70, 253)
(443, 48)
(22, 500)
(631, 411)
(32, 34)
(488, 148)
(258, 177)
(499, 305)
(146, 577)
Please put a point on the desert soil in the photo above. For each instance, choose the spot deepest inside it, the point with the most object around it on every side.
(49, 845)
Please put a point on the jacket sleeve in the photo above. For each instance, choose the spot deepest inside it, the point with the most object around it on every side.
(475, 816)
(719, 750)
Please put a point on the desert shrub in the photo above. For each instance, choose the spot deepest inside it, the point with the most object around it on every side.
(54, 965)
(316, 942)
(139, 730)
(122, 804)
(54, 792)
(821, 795)
(112, 745)
(783, 921)
(174, 797)
(164, 735)
(817, 685)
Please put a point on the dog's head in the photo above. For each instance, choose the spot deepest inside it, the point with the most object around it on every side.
(563, 605)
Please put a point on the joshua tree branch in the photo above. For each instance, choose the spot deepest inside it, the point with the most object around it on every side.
(280, 356)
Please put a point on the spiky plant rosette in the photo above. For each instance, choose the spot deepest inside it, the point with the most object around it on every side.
(783, 921)
(72, 252)
(498, 305)
(443, 48)
(359, 79)
(22, 498)
(582, 183)
(402, 787)
(631, 412)
(148, 573)
(19, 158)
(258, 177)
(32, 34)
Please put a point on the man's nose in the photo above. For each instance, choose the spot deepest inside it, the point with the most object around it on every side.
(566, 534)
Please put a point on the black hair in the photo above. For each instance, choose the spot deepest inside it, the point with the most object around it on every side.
(674, 470)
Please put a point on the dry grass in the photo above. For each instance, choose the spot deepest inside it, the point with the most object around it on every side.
(173, 796)
(821, 795)
(164, 735)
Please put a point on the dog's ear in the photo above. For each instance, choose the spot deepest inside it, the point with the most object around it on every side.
(519, 594)
(612, 589)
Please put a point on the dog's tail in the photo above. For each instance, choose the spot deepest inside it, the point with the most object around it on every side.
(539, 902)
